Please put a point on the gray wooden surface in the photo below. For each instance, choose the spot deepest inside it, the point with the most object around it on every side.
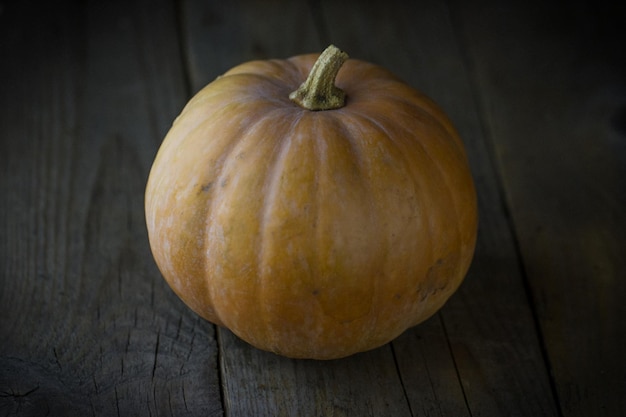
(88, 326)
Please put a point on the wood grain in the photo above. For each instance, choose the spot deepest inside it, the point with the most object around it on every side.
(88, 325)
(218, 35)
(555, 106)
(264, 384)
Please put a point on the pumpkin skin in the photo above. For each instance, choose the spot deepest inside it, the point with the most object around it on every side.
(312, 234)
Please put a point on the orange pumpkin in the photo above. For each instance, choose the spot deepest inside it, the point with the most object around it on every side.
(315, 226)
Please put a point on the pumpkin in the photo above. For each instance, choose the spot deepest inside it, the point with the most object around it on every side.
(313, 219)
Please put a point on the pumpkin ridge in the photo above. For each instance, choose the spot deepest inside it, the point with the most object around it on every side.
(352, 138)
(178, 138)
(212, 93)
(345, 308)
(244, 88)
(434, 114)
(415, 180)
(238, 137)
(216, 113)
(357, 75)
(348, 137)
(457, 160)
(274, 96)
(272, 68)
(444, 174)
(270, 187)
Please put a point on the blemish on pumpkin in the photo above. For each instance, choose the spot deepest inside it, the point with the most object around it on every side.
(206, 187)
(429, 286)
(315, 292)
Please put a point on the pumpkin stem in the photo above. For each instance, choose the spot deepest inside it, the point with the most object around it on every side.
(319, 92)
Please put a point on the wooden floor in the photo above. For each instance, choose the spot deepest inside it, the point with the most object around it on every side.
(88, 326)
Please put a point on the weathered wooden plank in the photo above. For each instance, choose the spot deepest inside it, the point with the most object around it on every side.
(551, 81)
(264, 384)
(87, 324)
(481, 355)
(219, 34)
(255, 382)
